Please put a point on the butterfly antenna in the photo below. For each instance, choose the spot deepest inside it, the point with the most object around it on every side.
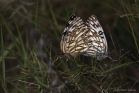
(113, 59)
(59, 56)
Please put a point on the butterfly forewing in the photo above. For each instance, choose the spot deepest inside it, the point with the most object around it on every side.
(74, 36)
(98, 42)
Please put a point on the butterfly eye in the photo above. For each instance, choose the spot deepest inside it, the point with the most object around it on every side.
(108, 54)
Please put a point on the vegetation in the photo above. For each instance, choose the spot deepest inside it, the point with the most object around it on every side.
(30, 55)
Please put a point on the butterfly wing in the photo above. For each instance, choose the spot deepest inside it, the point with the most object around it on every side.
(97, 40)
(74, 36)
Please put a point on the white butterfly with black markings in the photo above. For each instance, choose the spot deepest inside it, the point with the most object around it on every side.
(84, 38)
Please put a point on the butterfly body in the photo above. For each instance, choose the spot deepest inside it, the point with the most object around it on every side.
(84, 38)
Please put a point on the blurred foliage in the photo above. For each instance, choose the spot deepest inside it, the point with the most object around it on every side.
(30, 34)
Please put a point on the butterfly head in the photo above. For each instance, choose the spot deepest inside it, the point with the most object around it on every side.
(101, 56)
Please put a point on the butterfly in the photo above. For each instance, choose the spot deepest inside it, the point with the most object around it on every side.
(86, 38)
